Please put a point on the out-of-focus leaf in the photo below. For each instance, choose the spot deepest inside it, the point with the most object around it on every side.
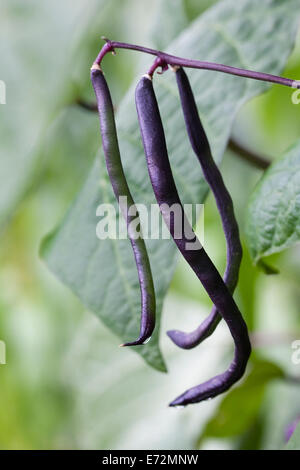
(36, 43)
(194, 8)
(69, 149)
(294, 442)
(239, 409)
(273, 217)
(170, 21)
(250, 34)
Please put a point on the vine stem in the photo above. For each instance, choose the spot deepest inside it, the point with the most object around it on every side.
(165, 59)
(249, 156)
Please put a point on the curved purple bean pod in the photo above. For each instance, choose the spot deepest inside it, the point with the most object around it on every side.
(166, 195)
(120, 187)
(224, 203)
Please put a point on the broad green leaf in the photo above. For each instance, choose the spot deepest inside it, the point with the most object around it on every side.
(194, 8)
(294, 442)
(36, 44)
(249, 33)
(243, 402)
(170, 20)
(273, 216)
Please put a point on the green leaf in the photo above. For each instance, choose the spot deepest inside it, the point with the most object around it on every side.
(249, 33)
(35, 47)
(273, 215)
(243, 401)
(294, 442)
(194, 8)
(171, 19)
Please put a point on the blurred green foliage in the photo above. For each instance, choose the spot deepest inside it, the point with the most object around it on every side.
(65, 384)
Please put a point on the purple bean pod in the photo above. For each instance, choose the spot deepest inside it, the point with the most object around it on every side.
(224, 203)
(120, 187)
(166, 195)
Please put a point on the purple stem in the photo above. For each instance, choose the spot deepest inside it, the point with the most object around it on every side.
(172, 60)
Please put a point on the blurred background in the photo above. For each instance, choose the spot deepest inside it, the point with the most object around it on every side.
(66, 384)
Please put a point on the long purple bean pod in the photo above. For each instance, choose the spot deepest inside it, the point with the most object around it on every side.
(167, 195)
(120, 188)
(224, 203)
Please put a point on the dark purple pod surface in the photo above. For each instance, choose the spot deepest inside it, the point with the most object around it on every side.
(120, 187)
(166, 195)
(224, 203)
